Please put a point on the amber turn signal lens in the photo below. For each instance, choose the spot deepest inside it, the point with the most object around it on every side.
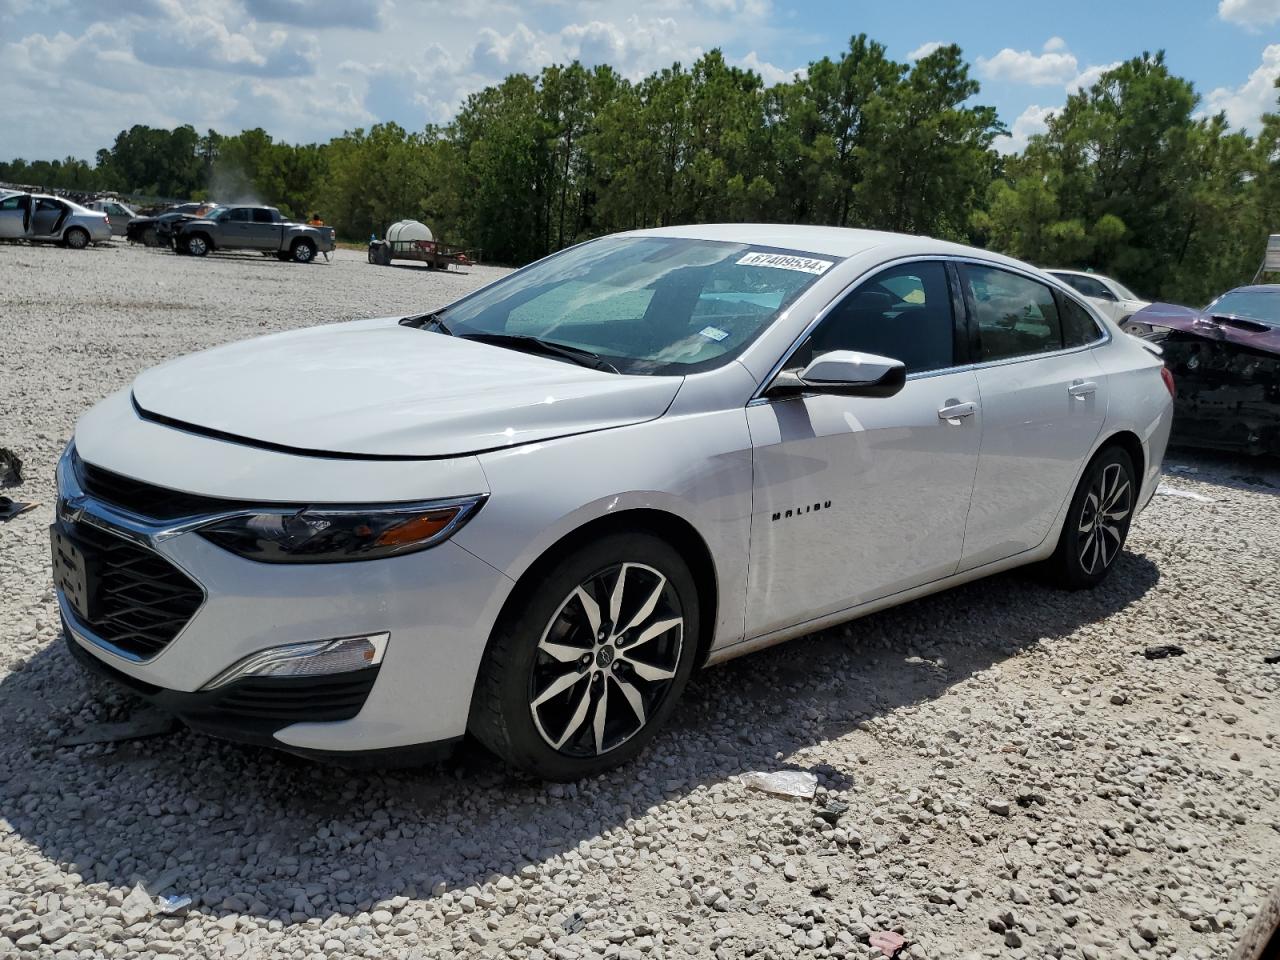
(417, 529)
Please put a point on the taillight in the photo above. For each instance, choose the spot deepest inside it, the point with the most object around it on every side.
(1167, 377)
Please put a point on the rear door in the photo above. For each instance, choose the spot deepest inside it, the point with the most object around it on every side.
(48, 217)
(1044, 399)
(858, 498)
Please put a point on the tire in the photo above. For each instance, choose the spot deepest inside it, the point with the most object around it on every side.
(1089, 545)
(537, 704)
(197, 245)
(77, 238)
(150, 238)
(303, 251)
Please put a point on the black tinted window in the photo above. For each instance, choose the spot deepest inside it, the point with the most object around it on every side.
(1016, 316)
(263, 216)
(1078, 328)
(903, 313)
(239, 214)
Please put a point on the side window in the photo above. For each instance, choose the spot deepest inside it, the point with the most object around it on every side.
(1016, 317)
(11, 203)
(240, 215)
(263, 216)
(1078, 328)
(1085, 285)
(903, 313)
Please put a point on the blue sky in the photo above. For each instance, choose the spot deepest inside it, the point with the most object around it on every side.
(77, 71)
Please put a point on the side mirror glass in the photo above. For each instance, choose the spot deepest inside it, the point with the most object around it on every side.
(848, 373)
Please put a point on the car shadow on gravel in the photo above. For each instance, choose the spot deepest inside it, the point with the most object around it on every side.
(251, 831)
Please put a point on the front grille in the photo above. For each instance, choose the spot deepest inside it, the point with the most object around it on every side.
(145, 499)
(139, 599)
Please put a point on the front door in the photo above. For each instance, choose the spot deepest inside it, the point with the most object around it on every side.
(15, 216)
(1044, 399)
(858, 498)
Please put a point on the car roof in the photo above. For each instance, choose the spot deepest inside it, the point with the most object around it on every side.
(841, 242)
(1253, 288)
(1077, 273)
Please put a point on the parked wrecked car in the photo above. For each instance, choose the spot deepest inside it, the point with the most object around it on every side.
(532, 514)
(43, 218)
(1111, 297)
(157, 231)
(119, 215)
(1226, 359)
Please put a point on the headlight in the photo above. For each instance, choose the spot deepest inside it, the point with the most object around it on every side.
(340, 534)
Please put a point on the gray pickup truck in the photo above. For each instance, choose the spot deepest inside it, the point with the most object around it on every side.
(252, 228)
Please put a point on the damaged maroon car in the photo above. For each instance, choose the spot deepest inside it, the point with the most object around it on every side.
(1226, 361)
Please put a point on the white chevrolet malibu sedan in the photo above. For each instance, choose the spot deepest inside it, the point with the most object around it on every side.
(532, 514)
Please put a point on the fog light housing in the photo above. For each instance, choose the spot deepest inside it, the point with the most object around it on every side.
(310, 659)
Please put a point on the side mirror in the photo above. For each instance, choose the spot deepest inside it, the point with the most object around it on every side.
(847, 373)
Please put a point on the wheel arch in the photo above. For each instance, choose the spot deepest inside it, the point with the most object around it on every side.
(675, 530)
(1129, 442)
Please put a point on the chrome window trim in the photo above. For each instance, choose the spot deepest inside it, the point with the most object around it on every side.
(758, 396)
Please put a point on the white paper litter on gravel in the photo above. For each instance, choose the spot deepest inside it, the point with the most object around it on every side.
(783, 783)
(1165, 490)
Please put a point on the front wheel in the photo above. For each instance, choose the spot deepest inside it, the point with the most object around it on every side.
(1097, 522)
(197, 245)
(589, 662)
(76, 238)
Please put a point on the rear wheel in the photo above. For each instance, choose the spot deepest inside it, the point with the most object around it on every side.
(589, 662)
(77, 238)
(303, 251)
(1097, 522)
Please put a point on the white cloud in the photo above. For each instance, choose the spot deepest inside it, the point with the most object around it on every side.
(925, 49)
(1089, 76)
(1033, 120)
(1244, 105)
(521, 50)
(1250, 13)
(769, 73)
(1052, 67)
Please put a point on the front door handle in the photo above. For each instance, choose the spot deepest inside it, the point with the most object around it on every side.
(1082, 388)
(955, 410)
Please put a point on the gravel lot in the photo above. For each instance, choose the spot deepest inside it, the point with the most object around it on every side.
(1002, 772)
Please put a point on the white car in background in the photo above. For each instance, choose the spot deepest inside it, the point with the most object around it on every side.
(532, 514)
(43, 218)
(1112, 298)
(117, 212)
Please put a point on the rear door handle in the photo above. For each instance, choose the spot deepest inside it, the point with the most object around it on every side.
(955, 410)
(1082, 388)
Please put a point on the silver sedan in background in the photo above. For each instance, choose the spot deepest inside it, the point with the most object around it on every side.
(48, 219)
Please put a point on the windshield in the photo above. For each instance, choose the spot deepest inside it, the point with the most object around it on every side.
(1125, 292)
(1260, 305)
(648, 305)
(211, 213)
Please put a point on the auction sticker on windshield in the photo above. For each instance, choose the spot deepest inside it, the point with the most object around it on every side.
(783, 261)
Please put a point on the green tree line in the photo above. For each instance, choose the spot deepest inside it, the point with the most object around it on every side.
(1128, 179)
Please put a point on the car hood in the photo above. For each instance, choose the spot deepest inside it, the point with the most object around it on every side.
(377, 389)
(1238, 331)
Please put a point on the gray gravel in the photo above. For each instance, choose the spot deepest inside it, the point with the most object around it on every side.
(1001, 772)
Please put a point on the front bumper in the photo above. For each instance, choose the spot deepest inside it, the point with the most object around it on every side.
(437, 606)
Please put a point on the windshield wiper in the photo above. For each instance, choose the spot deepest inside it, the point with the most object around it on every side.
(519, 341)
(427, 321)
